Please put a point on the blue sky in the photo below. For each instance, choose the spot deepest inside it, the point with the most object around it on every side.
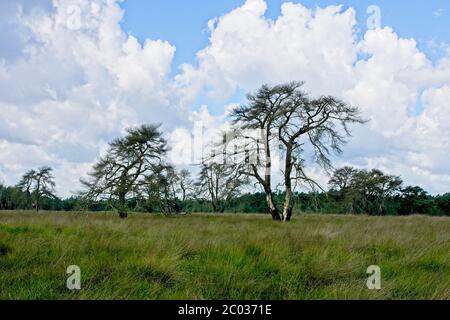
(67, 89)
(184, 23)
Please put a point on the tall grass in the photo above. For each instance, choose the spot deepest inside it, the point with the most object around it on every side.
(222, 257)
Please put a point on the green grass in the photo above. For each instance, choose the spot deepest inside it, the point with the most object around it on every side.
(222, 257)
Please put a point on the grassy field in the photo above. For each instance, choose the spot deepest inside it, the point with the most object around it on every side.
(222, 257)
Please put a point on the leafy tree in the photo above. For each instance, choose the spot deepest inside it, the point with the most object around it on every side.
(38, 184)
(365, 191)
(3, 192)
(342, 188)
(342, 179)
(123, 171)
(443, 203)
(414, 200)
(374, 187)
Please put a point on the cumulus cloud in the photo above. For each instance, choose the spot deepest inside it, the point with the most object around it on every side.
(396, 86)
(77, 81)
(68, 86)
(246, 48)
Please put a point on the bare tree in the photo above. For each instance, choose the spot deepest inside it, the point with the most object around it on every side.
(262, 113)
(219, 183)
(123, 171)
(38, 184)
(285, 112)
(319, 124)
(186, 184)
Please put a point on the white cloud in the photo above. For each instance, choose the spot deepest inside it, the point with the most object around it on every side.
(388, 77)
(246, 49)
(72, 89)
(190, 147)
(65, 93)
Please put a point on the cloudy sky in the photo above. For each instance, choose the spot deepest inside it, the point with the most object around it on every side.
(75, 73)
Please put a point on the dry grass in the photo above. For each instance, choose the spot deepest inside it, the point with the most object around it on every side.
(222, 257)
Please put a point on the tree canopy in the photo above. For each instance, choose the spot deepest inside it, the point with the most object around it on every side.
(123, 171)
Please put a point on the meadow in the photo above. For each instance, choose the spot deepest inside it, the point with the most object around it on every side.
(231, 256)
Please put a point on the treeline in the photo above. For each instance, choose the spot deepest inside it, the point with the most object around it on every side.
(365, 197)
(135, 175)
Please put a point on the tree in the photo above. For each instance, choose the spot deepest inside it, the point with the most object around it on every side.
(186, 185)
(38, 184)
(366, 191)
(3, 197)
(219, 183)
(342, 179)
(341, 186)
(262, 113)
(162, 190)
(443, 203)
(287, 113)
(123, 171)
(321, 124)
(373, 188)
(415, 200)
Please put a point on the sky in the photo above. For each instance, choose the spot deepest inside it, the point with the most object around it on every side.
(184, 23)
(74, 74)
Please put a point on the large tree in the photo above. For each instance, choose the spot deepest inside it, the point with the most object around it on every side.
(123, 171)
(319, 124)
(342, 179)
(262, 113)
(287, 114)
(38, 184)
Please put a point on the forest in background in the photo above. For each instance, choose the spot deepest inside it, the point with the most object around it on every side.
(236, 176)
(409, 200)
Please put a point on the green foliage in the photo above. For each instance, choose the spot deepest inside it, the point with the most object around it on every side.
(222, 257)
(124, 171)
(36, 186)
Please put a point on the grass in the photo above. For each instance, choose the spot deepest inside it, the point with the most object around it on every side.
(222, 257)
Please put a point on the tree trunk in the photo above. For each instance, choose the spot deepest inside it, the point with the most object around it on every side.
(267, 182)
(122, 206)
(38, 195)
(123, 214)
(272, 207)
(214, 206)
(287, 208)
